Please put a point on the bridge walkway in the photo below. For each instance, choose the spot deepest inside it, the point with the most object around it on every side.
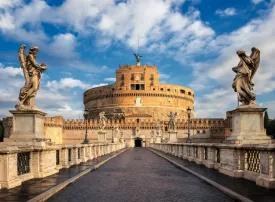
(139, 175)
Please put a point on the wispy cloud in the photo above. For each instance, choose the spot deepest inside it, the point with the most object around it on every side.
(226, 12)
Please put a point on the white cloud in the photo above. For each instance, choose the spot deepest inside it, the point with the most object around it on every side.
(152, 20)
(164, 76)
(256, 1)
(226, 12)
(219, 70)
(110, 79)
(10, 71)
(66, 83)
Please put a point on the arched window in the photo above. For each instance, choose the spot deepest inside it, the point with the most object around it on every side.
(182, 91)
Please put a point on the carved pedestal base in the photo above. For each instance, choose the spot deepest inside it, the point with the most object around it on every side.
(101, 136)
(158, 139)
(248, 127)
(28, 126)
(115, 139)
(173, 138)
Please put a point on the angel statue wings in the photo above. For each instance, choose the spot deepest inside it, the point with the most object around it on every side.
(245, 72)
(32, 73)
(138, 57)
(172, 122)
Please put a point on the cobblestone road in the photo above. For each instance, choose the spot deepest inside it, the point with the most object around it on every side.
(139, 175)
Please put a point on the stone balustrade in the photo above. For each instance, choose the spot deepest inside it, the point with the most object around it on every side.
(21, 163)
(252, 162)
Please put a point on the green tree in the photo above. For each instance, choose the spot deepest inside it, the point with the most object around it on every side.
(266, 120)
(270, 130)
(1, 131)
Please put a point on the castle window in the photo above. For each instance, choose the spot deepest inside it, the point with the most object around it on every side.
(142, 77)
(182, 91)
(122, 77)
(161, 89)
(189, 93)
(132, 77)
(203, 131)
(198, 131)
(154, 89)
(137, 86)
(168, 89)
(152, 77)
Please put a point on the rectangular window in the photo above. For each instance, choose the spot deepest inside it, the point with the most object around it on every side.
(137, 86)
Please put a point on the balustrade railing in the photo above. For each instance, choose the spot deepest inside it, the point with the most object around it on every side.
(252, 162)
(23, 163)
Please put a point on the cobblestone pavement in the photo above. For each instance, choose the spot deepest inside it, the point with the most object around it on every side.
(34, 187)
(139, 175)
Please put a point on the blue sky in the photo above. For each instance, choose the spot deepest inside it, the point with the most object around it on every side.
(192, 42)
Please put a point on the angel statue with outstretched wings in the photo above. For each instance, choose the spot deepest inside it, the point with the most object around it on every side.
(32, 73)
(172, 121)
(138, 57)
(245, 72)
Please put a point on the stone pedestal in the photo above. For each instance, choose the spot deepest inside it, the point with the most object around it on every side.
(152, 140)
(101, 136)
(115, 139)
(173, 138)
(158, 139)
(248, 127)
(28, 126)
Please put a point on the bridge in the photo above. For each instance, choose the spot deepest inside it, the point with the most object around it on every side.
(161, 172)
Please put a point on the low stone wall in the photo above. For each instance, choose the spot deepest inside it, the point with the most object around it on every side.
(21, 163)
(252, 162)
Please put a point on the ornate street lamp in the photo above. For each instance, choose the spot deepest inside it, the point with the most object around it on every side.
(86, 117)
(188, 112)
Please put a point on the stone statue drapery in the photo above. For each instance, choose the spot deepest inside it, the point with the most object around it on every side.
(102, 121)
(32, 73)
(172, 122)
(245, 72)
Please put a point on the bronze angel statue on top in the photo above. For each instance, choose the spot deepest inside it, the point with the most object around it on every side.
(245, 72)
(32, 73)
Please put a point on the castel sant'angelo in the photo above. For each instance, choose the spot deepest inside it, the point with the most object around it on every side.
(137, 107)
(138, 95)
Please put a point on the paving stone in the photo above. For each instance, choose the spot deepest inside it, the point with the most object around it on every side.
(34, 187)
(139, 175)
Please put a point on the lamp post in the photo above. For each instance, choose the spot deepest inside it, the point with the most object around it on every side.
(112, 133)
(86, 117)
(188, 112)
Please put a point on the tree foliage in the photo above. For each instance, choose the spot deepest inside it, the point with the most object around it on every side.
(1, 131)
(266, 120)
